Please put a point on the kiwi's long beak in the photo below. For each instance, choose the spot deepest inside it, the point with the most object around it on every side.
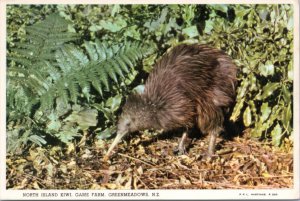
(115, 142)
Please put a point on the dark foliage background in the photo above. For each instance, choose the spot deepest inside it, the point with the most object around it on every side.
(70, 67)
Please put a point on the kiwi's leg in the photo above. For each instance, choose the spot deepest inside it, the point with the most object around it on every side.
(211, 122)
(182, 144)
(212, 143)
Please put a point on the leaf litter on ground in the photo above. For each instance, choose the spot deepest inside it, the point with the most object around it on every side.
(148, 162)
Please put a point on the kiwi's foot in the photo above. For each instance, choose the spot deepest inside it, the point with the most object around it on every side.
(180, 150)
(208, 156)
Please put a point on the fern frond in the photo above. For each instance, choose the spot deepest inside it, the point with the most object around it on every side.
(92, 52)
(103, 77)
(34, 78)
(62, 91)
(70, 72)
(52, 71)
(37, 140)
(122, 64)
(73, 90)
(100, 50)
(76, 55)
(42, 39)
(62, 61)
(82, 80)
(19, 60)
(83, 72)
(110, 71)
(97, 85)
(117, 68)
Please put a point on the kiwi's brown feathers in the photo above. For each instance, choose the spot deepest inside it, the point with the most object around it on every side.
(190, 85)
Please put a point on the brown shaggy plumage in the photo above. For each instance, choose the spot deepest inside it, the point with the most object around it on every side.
(189, 85)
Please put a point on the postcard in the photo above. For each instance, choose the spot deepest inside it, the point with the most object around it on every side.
(149, 100)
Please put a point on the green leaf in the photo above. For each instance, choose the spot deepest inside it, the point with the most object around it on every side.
(241, 12)
(253, 82)
(243, 88)
(265, 112)
(149, 62)
(290, 71)
(286, 94)
(276, 135)
(290, 24)
(263, 14)
(237, 110)
(87, 118)
(247, 118)
(133, 32)
(155, 25)
(94, 28)
(106, 133)
(266, 69)
(67, 134)
(253, 110)
(84, 118)
(114, 102)
(37, 140)
(188, 13)
(116, 9)
(208, 26)
(287, 116)
(113, 26)
(191, 31)
(221, 7)
(139, 89)
(268, 90)
(273, 16)
(54, 126)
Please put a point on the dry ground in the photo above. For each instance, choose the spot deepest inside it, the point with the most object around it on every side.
(148, 162)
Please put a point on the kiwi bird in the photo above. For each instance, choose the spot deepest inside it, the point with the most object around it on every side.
(190, 85)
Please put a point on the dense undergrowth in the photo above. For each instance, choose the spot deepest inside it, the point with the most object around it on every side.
(71, 67)
(67, 63)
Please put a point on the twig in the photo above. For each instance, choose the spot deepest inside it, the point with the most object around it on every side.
(142, 182)
(272, 176)
(39, 180)
(136, 159)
